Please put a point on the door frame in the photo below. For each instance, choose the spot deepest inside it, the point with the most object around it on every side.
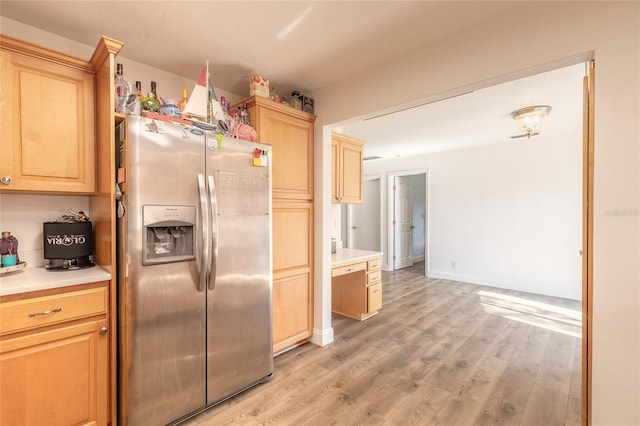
(391, 214)
(588, 142)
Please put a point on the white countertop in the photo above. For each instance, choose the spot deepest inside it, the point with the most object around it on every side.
(344, 255)
(34, 279)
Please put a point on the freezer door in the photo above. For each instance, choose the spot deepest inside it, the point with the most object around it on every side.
(162, 313)
(239, 342)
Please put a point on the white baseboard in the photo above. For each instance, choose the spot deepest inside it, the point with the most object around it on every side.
(322, 337)
(455, 276)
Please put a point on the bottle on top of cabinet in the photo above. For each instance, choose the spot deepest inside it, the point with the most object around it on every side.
(122, 90)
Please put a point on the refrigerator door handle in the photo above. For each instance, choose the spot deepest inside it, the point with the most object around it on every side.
(203, 253)
(213, 199)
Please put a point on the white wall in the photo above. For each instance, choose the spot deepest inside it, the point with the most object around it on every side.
(508, 215)
(533, 37)
(23, 216)
(366, 217)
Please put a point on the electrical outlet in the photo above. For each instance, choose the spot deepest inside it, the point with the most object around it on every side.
(454, 265)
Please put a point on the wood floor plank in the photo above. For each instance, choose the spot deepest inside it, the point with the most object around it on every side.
(574, 411)
(470, 396)
(420, 406)
(549, 397)
(440, 352)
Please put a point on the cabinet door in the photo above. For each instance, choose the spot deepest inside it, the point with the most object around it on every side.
(346, 169)
(47, 126)
(292, 310)
(56, 377)
(292, 236)
(351, 170)
(291, 142)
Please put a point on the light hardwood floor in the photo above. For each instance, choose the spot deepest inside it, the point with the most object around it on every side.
(439, 353)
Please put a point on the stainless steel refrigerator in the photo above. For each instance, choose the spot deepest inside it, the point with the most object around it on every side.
(195, 282)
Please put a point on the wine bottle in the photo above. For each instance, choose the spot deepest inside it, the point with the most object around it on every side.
(137, 110)
(155, 93)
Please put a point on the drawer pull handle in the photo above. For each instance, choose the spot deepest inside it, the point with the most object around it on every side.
(52, 311)
(103, 330)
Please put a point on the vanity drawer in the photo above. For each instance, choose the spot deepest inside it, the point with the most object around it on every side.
(374, 264)
(374, 298)
(374, 277)
(39, 311)
(348, 269)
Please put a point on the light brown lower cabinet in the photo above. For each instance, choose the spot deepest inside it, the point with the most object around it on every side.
(292, 273)
(291, 310)
(57, 373)
(356, 289)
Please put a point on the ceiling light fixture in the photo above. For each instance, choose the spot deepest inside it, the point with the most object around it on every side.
(531, 117)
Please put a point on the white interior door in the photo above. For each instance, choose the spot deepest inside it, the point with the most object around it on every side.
(402, 221)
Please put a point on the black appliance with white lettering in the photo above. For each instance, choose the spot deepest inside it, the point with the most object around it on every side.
(67, 245)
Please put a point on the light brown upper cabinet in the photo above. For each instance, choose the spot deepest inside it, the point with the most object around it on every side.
(290, 133)
(47, 121)
(346, 169)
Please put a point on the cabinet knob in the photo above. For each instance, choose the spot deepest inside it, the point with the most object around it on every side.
(103, 330)
(6, 180)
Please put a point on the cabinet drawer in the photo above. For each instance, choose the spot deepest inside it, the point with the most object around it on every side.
(374, 264)
(374, 277)
(31, 313)
(374, 298)
(347, 269)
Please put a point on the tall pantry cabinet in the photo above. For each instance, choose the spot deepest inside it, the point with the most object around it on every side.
(290, 133)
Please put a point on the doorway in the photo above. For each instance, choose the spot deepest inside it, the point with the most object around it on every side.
(408, 230)
(587, 229)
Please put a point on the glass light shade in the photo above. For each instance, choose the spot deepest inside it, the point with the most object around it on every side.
(531, 117)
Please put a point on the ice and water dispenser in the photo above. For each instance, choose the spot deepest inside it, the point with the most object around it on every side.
(168, 234)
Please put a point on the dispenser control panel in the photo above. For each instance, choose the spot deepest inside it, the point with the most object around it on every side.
(168, 234)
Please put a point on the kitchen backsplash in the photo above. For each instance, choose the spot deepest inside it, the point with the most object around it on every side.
(23, 216)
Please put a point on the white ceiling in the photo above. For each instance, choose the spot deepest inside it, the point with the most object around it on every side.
(478, 118)
(308, 45)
